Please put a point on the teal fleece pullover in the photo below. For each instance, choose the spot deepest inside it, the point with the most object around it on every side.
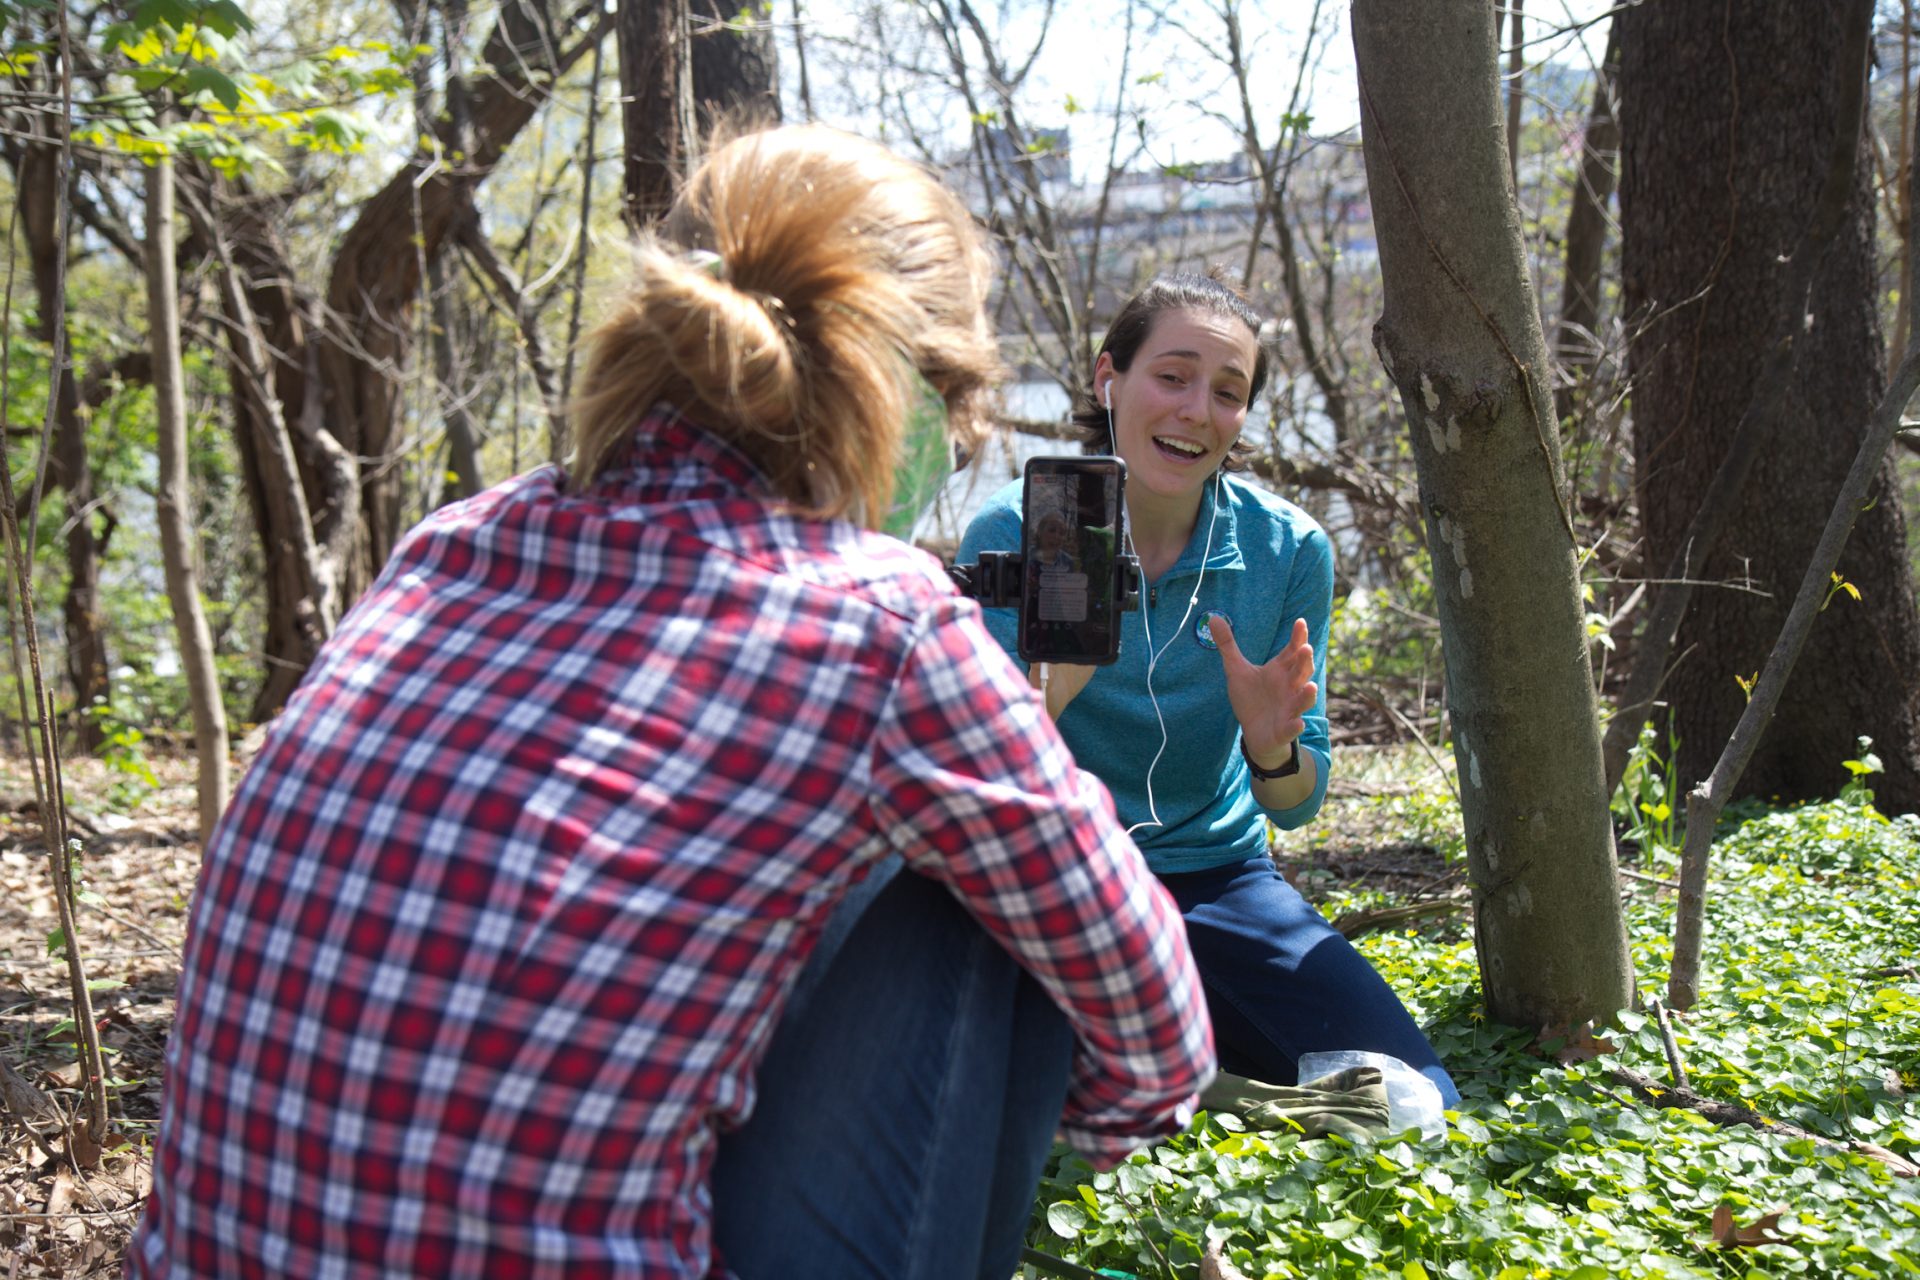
(1269, 564)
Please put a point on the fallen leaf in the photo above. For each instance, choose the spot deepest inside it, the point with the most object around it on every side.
(133, 1174)
(59, 1206)
(81, 1148)
(1729, 1236)
(65, 1076)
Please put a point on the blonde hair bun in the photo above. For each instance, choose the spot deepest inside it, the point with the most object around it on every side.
(841, 270)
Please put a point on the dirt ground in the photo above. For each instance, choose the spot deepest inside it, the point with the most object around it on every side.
(142, 852)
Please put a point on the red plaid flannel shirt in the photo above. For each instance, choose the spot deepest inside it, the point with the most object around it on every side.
(487, 947)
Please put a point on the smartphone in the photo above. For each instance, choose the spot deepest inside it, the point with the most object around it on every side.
(1072, 535)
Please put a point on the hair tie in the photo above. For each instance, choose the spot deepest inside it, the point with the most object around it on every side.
(708, 261)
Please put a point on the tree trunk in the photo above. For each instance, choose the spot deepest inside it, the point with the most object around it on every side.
(1754, 103)
(1461, 339)
(656, 95)
(37, 190)
(735, 67)
(173, 503)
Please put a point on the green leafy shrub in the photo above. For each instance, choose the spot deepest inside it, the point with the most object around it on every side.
(1810, 1016)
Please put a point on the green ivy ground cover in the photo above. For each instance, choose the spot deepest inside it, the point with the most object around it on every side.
(1811, 1016)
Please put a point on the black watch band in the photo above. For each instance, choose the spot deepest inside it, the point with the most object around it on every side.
(1287, 770)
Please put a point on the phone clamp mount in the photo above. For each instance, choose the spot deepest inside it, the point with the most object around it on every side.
(994, 580)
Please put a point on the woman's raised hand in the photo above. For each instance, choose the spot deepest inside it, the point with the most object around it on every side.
(1271, 701)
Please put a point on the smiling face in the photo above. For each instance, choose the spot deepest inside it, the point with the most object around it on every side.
(1179, 406)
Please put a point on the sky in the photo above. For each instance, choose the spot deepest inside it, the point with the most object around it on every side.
(1175, 74)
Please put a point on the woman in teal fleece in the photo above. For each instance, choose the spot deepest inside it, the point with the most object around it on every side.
(1213, 720)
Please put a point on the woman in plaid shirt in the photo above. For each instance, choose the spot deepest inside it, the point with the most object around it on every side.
(560, 929)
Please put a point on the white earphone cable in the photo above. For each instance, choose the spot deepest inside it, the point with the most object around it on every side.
(1146, 622)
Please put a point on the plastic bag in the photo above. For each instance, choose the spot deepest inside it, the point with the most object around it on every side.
(1413, 1101)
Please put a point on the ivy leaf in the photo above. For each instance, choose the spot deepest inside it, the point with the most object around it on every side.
(1133, 1179)
(1067, 1219)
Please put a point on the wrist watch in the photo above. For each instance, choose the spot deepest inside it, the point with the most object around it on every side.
(1286, 770)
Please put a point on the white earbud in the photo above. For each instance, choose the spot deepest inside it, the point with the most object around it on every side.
(1106, 394)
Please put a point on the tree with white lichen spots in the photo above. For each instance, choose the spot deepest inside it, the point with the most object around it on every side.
(1460, 336)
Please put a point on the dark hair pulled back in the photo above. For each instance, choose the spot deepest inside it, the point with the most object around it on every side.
(1174, 291)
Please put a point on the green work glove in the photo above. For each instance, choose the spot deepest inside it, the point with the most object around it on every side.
(1351, 1103)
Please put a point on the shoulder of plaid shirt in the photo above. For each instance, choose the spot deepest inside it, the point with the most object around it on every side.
(501, 918)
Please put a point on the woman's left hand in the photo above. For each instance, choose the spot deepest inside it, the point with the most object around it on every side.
(1271, 701)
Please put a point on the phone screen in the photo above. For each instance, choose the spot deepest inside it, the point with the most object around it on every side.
(1071, 532)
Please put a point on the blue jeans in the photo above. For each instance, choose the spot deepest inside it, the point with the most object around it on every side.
(907, 1102)
(1282, 982)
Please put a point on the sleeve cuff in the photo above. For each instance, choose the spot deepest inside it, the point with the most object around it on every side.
(1103, 1149)
(1304, 812)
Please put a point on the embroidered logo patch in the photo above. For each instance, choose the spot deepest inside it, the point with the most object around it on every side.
(1203, 633)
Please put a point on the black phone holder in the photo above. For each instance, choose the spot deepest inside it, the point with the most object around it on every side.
(994, 580)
